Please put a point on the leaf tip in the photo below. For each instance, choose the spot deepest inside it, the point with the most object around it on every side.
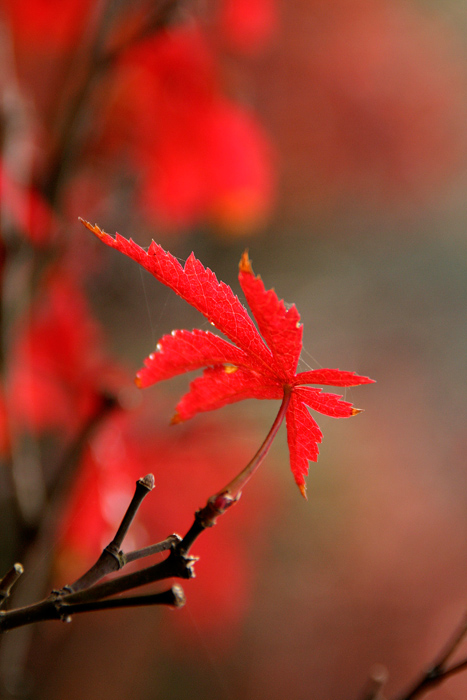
(176, 418)
(356, 411)
(95, 229)
(302, 488)
(367, 380)
(138, 381)
(245, 263)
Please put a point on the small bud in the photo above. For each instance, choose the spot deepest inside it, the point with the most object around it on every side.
(179, 596)
(147, 481)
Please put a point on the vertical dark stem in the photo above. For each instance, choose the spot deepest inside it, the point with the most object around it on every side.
(112, 558)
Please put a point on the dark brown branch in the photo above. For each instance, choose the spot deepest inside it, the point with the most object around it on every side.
(175, 566)
(56, 607)
(151, 549)
(376, 682)
(112, 558)
(86, 594)
(8, 581)
(173, 597)
(439, 671)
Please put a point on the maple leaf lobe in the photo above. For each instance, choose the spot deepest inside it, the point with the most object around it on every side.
(95, 229)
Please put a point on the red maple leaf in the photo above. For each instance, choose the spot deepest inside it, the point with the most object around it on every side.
(258, 365)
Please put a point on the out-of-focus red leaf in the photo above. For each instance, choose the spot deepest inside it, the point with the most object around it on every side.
(59, 368)
(26, 209)
(199, 154)
(251, 367)
(47, 25)
(248, 25)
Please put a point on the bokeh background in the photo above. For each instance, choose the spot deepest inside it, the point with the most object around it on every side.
(330, 140)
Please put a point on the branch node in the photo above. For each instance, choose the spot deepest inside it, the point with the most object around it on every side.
(178, 595)
(117, 554)
(56, 598)
(216, 506)
(183, 565)
(9, 580)
(147, 481)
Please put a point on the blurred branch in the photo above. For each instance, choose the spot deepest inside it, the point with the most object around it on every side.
(437, 673)
(439, 670)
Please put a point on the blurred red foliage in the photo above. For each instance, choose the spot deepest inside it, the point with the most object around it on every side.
(198, 153)
(158, 114)
(248, 25)
(60, 372)
(46, 25)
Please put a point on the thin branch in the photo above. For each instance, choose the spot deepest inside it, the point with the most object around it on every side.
(438, 671)
(86, 594)
(452, 644)
(163, 546)
(173, 597)
(83, 596)
(56, 607)
(226, 497)
(112, 559)
(176, 565)
(8, 581)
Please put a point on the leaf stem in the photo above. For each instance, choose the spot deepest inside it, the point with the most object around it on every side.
(226, 497)
(234, 488)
